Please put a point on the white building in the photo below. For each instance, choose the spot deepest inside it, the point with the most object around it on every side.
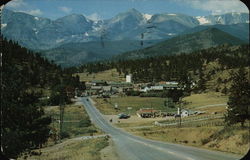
(184, 113)
(144, 89)
(129, 78)
(157, 88)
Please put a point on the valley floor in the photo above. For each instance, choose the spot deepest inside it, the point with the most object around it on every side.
(204, 130)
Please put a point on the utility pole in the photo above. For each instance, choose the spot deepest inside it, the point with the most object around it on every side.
(180, 104)
(61, 108)
(61, 122)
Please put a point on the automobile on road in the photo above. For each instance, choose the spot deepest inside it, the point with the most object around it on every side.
(123, 116)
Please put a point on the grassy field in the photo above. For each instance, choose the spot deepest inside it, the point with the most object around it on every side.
(72, 149)
(234, 139)
(76, 121)
(210, 98)
(106, 106)
(108, 75)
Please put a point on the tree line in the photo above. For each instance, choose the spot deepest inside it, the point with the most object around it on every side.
(179, 67)
(24, 77)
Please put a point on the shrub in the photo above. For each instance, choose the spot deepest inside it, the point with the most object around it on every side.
(85, 123)
(205, 141)
(133, 93)
(89, 130)
(185, 141)
(245, 138)
(224, 90)
(65, 135)
(151, 94)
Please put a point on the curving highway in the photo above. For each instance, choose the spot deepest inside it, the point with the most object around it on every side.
(130, 147)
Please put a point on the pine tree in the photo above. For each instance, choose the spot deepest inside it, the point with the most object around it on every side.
(23, 123)
(239, 101)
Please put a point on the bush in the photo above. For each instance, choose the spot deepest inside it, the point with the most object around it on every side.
(133, 93)
(205, 141)
(89, 130)
(224, 90)
(85, 123)
(65, 135)
(151, 94)
(185, 141)
(245, 138)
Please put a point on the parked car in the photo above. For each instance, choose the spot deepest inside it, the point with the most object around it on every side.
(123, 116)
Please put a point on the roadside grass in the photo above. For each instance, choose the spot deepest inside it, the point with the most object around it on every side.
(75, 121)
(106, 106)
(207, 133)
(72, 149)
(212, 110)
(196, 121)
(209, 98)
(233, 139)
(108, 75)
(136, 124)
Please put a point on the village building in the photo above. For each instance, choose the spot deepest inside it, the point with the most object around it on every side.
(184, 113)
(129, 78)
(147, 113)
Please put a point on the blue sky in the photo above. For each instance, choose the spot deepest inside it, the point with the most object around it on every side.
(104, 9)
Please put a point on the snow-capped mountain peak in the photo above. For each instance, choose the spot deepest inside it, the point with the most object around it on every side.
(202, 20)
(171, 14)
(147, 16)
(128, 25)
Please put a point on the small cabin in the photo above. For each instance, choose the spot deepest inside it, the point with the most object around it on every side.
(147, 113)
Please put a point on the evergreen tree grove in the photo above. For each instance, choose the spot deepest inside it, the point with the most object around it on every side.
(23, 123)
(239, 101)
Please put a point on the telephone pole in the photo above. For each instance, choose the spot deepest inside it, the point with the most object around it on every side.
(61, 122)
(180, 104)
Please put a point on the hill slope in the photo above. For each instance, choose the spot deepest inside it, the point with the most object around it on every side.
(240, 30)
(185, 43)
(72, 54)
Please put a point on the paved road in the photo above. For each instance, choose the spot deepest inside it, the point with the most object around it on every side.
(130, 147)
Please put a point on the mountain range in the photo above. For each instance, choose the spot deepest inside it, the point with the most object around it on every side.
(186, 43)
(74, 35)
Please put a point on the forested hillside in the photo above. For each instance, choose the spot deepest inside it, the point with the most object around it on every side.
(184, 67)
(186, 43)
(26, 80)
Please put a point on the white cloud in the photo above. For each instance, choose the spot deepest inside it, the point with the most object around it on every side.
(21, 6)
(94, 17)
(217, 6)
(35, 12)
(65, 9)
(16, 4)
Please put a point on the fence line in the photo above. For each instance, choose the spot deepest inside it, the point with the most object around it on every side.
(197, 122)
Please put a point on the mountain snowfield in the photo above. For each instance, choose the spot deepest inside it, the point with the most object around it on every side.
(229, 18)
